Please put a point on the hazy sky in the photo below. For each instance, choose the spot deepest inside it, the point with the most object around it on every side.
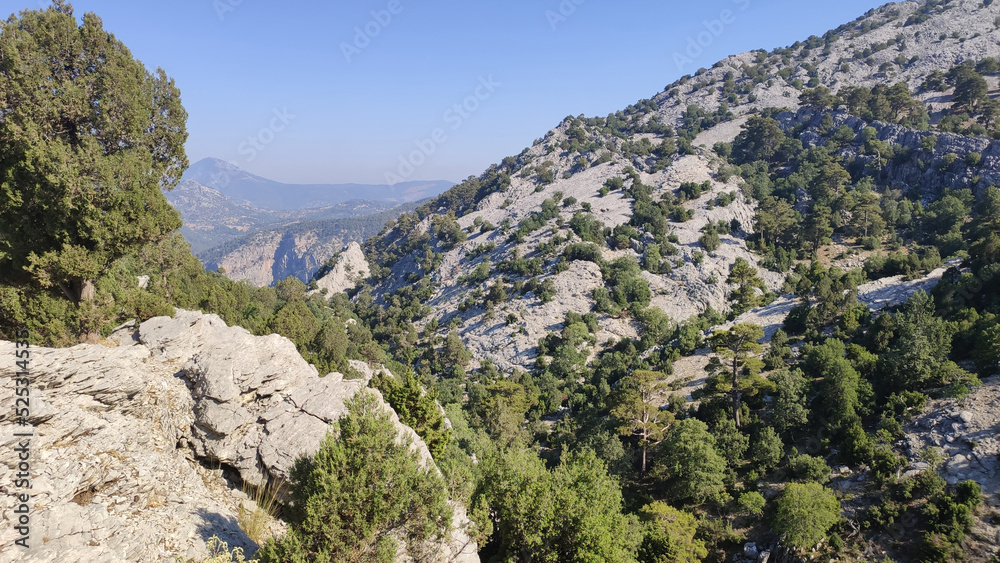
(340, 91)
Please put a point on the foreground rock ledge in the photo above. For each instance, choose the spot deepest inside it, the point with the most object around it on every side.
(130, 436)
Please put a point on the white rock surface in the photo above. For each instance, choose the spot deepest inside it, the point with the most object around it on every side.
(964, 432)
(118, 430)
(351, 268)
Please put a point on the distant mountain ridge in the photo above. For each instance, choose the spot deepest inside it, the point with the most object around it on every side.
(262, 230)
(244, 187)
(212, 219)
(271, 254)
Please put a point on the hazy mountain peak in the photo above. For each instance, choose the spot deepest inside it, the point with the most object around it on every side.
(242, 186)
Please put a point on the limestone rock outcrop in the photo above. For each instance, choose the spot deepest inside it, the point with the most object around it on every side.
(351, 267)
(131, 439)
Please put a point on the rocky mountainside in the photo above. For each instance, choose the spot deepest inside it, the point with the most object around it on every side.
(899, 42)
(263, 231)
(574, 311)
(141, 442)
(298, 249)
(344, 271)
(212, 219)
(959, 436)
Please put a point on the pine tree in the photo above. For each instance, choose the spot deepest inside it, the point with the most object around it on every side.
(739, 345)
(747, 281)
(760, 139)
(775, 217)
(636, 412)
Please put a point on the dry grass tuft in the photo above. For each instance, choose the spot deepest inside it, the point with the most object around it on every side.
(256, 520)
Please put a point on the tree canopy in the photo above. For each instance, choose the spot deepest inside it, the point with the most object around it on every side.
(805, 512)
(572, 513)
(358, 493)
(84, 160)
(691, 468)
(739, 346)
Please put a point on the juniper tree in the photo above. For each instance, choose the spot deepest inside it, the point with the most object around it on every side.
(570, 513)
(84, 160)
(361, 491)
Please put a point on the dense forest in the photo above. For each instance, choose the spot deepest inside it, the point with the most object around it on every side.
(590, 455)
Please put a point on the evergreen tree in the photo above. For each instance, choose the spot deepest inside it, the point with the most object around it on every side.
(818, 226)
(730, 442)
(767, 449)
(839, 398)
(971, 89)
(84, 160)
(747, 281)
(738, 345)
(866, 219)
(789, 408)
(805, 512)
(688, 464)
(636, 412)
(416, 408)
(669, 535)
(760, 139)
(572, 513)
(775, 220)
(361, 491)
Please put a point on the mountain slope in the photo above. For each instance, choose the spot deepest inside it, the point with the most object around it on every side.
(297, 248)
(900, 42)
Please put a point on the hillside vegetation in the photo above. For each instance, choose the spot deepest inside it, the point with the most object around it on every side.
(554, 305)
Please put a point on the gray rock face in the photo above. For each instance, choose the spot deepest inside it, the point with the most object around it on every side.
(351, 267)
(268, 256)
(118, 430)
(963, 432)
(935, 174)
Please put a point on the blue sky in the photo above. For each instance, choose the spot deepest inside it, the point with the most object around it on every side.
(338, 91)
